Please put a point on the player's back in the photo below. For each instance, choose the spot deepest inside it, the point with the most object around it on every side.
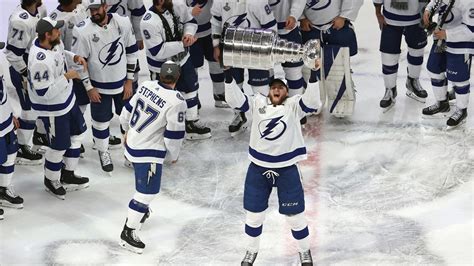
(153, 106)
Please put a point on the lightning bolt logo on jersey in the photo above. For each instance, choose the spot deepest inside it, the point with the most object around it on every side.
(272, 129)
(111, 53)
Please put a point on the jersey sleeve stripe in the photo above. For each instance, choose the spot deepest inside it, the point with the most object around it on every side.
(269, 24)
(131, 49)
(155, 49)
(17, 51)
(305, 108)
(145, 153)
(54, 107)
(6, 124)
(138, 12)
(170, 134)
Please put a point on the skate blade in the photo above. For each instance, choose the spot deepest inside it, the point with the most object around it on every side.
(1, 217)
(130, 248)
(416, 98)
(39, 149)
(74, 187)
(435, 116)
(61, 197)
(5, 203)
(240, 131)
(22, 161)
(193, 136)
(388, 108)
(221, 105)
(450, 128)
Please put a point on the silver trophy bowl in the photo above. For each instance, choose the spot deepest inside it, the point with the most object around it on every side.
(262, 49)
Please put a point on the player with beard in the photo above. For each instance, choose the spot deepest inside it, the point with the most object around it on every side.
(108, 43)
(21, 32)
(54, 101)
(276, 146)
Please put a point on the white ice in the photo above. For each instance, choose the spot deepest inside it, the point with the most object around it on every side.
(381, 189)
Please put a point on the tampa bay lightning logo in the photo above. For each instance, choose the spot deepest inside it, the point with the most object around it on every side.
(147, 16)
(449, 17)
(271, 129)
(117, 8)
(40, 56)
(312, 3)
(24, 15)
(241, 21)
(111, 53)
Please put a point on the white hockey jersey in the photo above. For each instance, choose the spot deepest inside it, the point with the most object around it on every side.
(71, 19)
(158, 49)
(154, 121)
(6, 111)
(243, 13)
(283, 9)
(396, 17)
(51, 93)
(204, 19)
(110, 51)
(321, 13)
(460, 39)
(21, 32)
(275, 138)
(133, 9)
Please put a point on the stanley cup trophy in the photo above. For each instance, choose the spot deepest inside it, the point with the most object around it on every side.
(261, 49)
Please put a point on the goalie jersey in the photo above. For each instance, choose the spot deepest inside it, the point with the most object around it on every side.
(21, 32)
(111, 53)
(51, 93)
(276, 139)
(6, 111)
(245, 14)
(154, 121)
(159, 48)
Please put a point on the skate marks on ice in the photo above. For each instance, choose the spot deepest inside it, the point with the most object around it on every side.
(371, 170)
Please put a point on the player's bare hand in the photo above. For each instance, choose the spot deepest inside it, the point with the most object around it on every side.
(188, 40)
(94, 95)
(217, 54)
(140, 45)
(81, 61)
(426, 18)
(72, 74)
(197, 9)
(125, 138)
(381, 20)
(317, 64)
(440, 34)
(338, 23)
(290, 23)
(127, 89)
(16, 123)
(305, 24)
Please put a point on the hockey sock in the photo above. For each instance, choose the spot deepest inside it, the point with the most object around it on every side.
(415, 60)
(299, 230)
(390, 69)
(253, 229)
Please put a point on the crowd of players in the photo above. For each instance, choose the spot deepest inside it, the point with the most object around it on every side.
(85, 53)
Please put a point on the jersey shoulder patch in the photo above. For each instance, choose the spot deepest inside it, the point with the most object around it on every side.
(40, 56)
(147, 16)
(179, 96)
(81, 24)
(54, 15)
(24, 15)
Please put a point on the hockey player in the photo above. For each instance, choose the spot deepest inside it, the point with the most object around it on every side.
(246, 14)
(154, 122)
(457, 37)
(276, 146)
(108, 43)
(21, 32)
(401, 17)
(202, 48)
(8, 149)
(134, 10)
(55, 103)
(287, 14)
(168, 29)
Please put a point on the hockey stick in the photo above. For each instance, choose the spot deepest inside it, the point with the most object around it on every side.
(441, 44)
(432, 25)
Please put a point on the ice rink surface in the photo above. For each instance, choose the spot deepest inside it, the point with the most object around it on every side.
(380, 188)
